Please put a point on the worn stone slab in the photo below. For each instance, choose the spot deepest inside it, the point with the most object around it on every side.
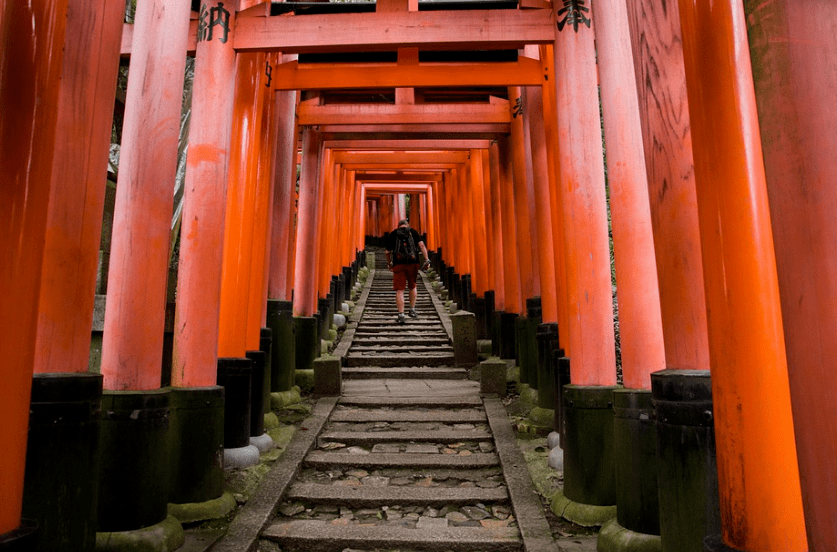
(465, 338)
(315, 536)
(412, 401)
(451, 417)
(424, 359)
(263, 504)
(437, 436)
(401, 348)
(371, 497)
(376, 372)
(403, 388)
(320, 458)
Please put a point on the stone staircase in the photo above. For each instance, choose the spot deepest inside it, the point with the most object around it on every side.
(410, 457)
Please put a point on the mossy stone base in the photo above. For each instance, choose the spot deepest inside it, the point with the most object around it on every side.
(201, 511)
(165, 536)
(271, 420)
(585, 515)
(305, 380)
(282, 399)
(615, 538)
(541, 417)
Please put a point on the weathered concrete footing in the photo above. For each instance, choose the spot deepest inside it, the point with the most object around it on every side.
(234, 375)
(637, 527)
(464, 326)
(280, 320)
(328, 379)
(307, 341)
(62, 468)
(22, 539)
(164, 536)
(133, 477)
(493, 376)
(241, 457)
(196, 444)
(686, 467)
(588, 451)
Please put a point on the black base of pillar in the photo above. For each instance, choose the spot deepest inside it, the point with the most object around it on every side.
(496, 335)
(686, 468)
(133, 477)
(507, 334)
(266, 346)
(196, 444)
(713, 543)
(520, 351)
(562, 378)
(588, 454)
(234, 375)
(257, 393)
(478, 308)
(547, 343)
(60, 491)
(635, 448)
(489, 313)
(307, 341)
(22, 539)
(280, 320)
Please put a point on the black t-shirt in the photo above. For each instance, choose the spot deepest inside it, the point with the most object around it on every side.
(389, 243)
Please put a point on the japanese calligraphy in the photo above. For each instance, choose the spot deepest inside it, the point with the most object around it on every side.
(209, 18)
(573, 12)
(268, 71)
(518, 107)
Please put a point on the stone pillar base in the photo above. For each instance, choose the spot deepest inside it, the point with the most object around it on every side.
(201, 511)
(328, 378)
(262, 442)
(241, 457)
(586, 515)
(713, 543)
(615, 538)
(163, 537)
(464, 325)
(307, 345)
(493, 374)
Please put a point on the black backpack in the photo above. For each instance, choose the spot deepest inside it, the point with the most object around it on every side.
(405, 251)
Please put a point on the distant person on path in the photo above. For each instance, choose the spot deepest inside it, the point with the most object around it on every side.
(402, 246)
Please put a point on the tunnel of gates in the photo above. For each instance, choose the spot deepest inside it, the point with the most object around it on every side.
(493, 118)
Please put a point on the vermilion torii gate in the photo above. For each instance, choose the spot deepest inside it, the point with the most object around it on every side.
(717, 170)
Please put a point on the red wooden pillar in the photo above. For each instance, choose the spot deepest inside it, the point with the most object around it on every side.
(71, 251)
(284, 199)
(241, 201)
(479, 237)
(491, 250)
(263, 158)
(134, 319)
(524, 200)
(591, 343)
(640, 323)
(667, 136)
(792, 51)
(32, 41)
(541, 173)
(511, 251)
(497, 239)
(760, 498)
(305, 291)
(204, 205)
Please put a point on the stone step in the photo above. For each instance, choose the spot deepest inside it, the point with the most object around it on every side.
(322, 459)
(411, 401)
(381, 372)
(367, 340)
(395, 331)
(469, 416)
(424, 359)
(366, 496)
(321, 536)
(435, 436)
(400, 348)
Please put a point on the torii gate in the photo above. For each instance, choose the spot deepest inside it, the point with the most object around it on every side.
(761, 508)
